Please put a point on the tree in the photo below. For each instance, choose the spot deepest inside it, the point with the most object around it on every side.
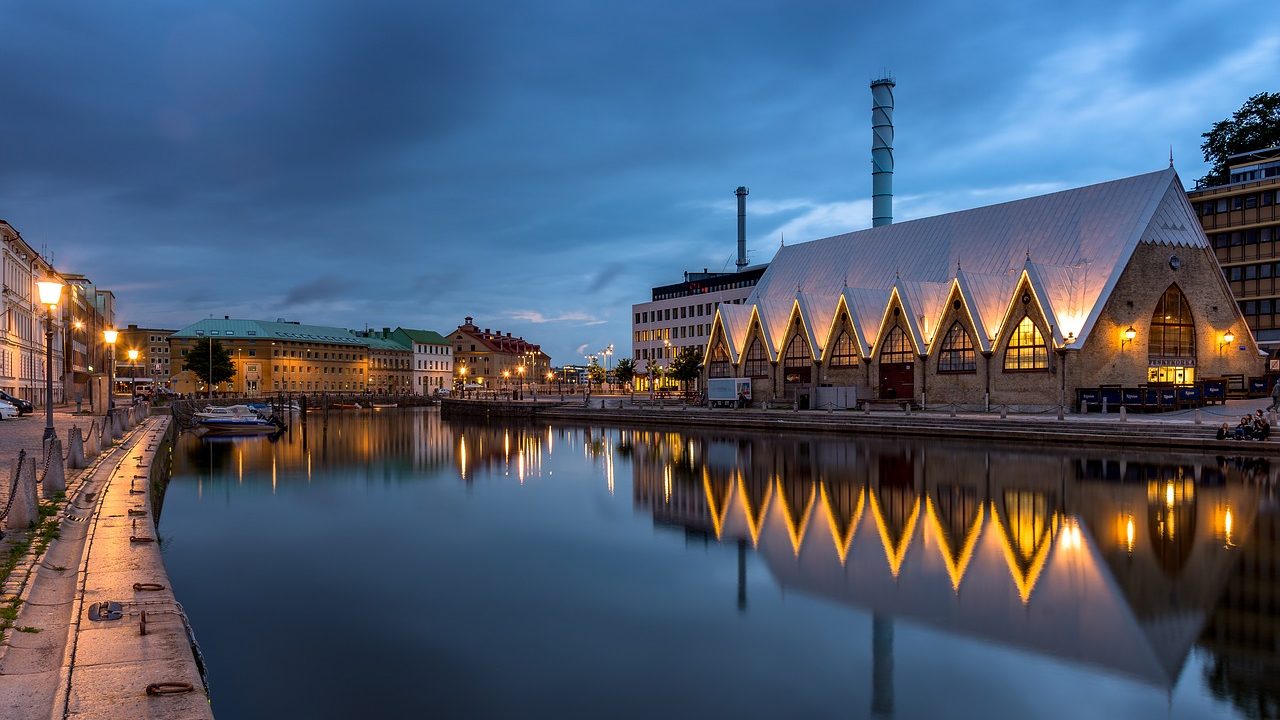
(625, 371)
(1255, 126)
(595, 373)
(686, 366)
(198, 362)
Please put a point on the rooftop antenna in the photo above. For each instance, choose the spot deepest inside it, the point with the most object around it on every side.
(1170, 154)
(783, 242)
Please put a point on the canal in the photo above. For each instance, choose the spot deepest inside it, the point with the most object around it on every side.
(394, 564)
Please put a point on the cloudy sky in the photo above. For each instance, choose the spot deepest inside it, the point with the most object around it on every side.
(541, 165)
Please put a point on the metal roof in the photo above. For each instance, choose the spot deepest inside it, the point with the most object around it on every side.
(1070, 246)
(428, 337)
(262, 329)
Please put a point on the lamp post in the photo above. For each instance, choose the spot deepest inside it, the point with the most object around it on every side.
(109, 337)
(608, 355)
(50, 291)
(133, 376)
(520, 372)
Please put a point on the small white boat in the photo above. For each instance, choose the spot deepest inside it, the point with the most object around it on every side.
(379, 406)
(238, 426)
(230, 411)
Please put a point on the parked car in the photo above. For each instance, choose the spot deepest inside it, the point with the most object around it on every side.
(23, 407)
(7, 410)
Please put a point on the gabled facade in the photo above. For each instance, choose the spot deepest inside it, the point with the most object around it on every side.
(495, 360)
(432, 359)
(1019, 303)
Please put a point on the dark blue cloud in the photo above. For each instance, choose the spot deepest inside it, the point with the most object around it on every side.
(540, 165)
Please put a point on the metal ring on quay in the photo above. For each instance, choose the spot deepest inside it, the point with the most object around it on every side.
(170, 688)
(139, 587)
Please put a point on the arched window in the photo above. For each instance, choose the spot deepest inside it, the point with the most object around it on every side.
(1173, 331)
(843, 352)
(1026, 350)
(897, 347)
(957, 355)
(756, 364)
(797, 355)
(718, 365)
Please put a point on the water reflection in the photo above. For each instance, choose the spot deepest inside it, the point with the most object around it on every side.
(1119, 562)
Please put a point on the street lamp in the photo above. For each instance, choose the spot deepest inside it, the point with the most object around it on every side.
(50, 292)
(133, 376)
(109, 337)
(520, 370)
(608, 355)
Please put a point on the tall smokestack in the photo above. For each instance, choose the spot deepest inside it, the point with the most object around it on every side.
(742, 193)
(882, 151)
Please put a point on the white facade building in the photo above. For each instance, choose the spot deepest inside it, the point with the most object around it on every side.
(432, 359)
(23, 320)
(680, 315)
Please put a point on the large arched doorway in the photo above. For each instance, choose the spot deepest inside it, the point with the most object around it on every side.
(897, 366)
(1171, 351)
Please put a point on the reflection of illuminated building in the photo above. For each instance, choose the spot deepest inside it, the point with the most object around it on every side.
(1022, 550)
(1243, 633)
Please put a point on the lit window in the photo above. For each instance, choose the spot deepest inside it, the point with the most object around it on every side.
(843, 352)
(957, 351)
(1026, 350)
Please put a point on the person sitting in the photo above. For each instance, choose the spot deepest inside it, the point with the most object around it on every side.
(1244, 430)
(1261, 428)
(1224, 432)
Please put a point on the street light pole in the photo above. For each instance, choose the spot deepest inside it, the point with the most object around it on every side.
(50, 290)
(133, 376)
(109, 338)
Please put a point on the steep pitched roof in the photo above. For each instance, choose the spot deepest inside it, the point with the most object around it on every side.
(1079, 241)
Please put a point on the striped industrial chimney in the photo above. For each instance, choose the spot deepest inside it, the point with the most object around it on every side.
(742, 193)
(882, 151)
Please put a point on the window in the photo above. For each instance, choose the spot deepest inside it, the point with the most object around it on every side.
(1026, 350)
(1173, 331)
(843, 352)
(957, 351)
(757, 363)
(797, 355)
(718, 366)
(897, 347)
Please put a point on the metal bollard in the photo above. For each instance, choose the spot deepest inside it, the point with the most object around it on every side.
(953, 409)
(1199, 419)
(906, 409)
(1004, 411)
(1061, 413)
(1104, 406)
(1124, 414)
(866, 407)
(1084, 407)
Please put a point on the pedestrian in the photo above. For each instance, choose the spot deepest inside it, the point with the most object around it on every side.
(1275, 395)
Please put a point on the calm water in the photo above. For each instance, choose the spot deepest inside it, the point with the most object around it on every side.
(397, 565)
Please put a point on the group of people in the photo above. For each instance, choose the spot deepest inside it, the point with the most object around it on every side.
(1250, 427)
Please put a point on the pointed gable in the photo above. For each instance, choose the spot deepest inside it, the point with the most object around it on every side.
(1079, 240)
(733, 320)
(866, 308)
(926, 300)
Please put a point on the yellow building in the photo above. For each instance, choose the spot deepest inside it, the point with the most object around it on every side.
(151, 367)
(496, 360)
(276, 357)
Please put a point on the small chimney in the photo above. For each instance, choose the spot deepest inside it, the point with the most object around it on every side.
(882, 151)
(386, 332)
(226, 317)
(467, 320)
(742, 193)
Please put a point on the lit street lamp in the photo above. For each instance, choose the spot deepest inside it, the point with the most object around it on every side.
(133, 376)
(109, 337)
(50, 292)
(520, 370)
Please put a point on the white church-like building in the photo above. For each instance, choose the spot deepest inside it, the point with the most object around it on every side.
(1022, 303)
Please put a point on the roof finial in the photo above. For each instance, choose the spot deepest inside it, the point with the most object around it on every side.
(1170, 154)
(1028, 253)
(783, 241)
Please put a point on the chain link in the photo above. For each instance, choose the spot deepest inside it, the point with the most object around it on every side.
(13, 491)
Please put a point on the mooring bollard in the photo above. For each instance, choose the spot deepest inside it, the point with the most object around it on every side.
(55, 478)
(953, 409)
(1104, 406)
(25, 509)
(75, 448)
(1124, 414)
(906, 409)
(1004, 411)
(1061, 412)
(1199, 419)
(1084, 407)
(866, 407)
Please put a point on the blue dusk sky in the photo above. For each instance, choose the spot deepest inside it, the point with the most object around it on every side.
(541, 165)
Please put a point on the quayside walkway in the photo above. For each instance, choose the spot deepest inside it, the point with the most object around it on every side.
(1188, 430)
(97, 631)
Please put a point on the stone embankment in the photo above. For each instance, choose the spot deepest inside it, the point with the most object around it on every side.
(96, 630)
(1188, 431)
